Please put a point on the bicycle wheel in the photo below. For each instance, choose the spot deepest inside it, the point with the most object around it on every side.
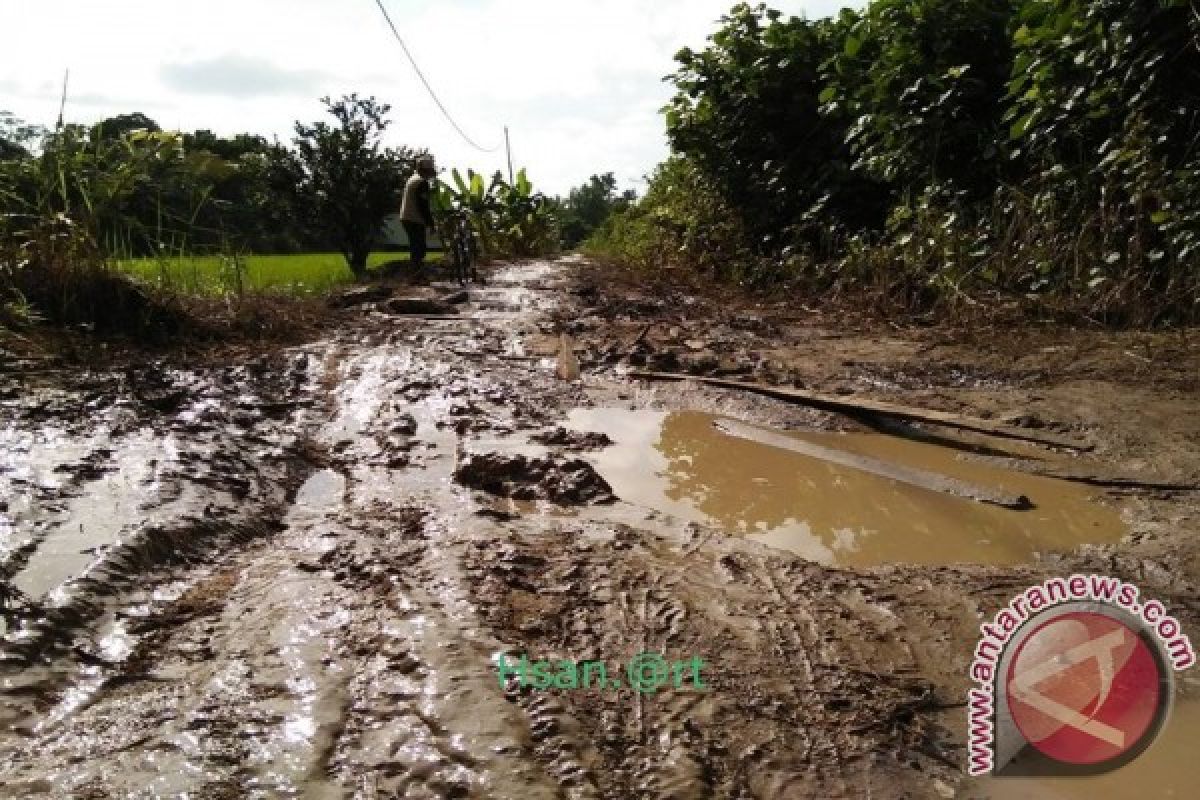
(473, 257)
(461, 256)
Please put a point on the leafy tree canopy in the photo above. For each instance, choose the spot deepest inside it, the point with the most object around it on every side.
(587, 206)
(348, 182)
(114, 128)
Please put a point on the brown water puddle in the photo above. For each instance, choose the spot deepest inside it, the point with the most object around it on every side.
(680, 463)
(1166, 770)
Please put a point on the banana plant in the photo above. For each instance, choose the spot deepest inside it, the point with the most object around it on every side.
(511, 220)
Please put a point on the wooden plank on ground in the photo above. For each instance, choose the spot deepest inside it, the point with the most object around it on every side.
(922, 479)
(873, 408)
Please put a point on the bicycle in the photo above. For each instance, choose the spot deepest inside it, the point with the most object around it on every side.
(462, 248)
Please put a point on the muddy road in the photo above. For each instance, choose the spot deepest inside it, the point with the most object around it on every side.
(294, 575)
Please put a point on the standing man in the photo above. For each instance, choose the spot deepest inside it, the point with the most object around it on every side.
(416, 213)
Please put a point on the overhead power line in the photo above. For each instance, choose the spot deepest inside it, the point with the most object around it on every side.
(429, 88)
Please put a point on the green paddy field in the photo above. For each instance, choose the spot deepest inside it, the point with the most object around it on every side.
(305, 273)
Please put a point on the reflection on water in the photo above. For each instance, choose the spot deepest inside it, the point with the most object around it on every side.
(1166, 770)
(679, 463)
(322, 491)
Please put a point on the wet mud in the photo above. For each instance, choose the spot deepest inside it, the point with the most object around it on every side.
(558, 480)
(293, 574)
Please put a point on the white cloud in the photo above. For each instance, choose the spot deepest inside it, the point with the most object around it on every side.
(233, 75)
(578, 81)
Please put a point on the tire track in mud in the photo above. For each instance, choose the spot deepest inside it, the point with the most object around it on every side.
(155, 493)
(144, 489)
(311, 604)
(426, 718)
(792, 709)
(324, 659)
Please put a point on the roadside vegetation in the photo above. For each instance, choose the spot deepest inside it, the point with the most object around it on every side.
(122, 227)
(588, 206)
(1040, 155)
(510, 220)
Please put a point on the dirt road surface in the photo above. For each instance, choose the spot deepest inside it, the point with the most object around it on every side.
(294, 574)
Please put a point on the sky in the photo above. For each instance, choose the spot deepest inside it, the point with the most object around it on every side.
(578, 82)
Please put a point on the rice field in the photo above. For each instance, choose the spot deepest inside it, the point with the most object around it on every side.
(305, 273)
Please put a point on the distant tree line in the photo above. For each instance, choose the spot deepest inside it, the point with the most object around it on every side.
(588, 206)
(78, 201)
(160, 191)
(325, 190)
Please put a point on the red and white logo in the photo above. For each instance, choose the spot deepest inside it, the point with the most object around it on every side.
(1084, 688)
(1074, 676)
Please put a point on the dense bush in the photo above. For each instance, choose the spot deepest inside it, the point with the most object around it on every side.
(62, 211)
(1105, 108)
(748, 114)
(942, 152)
(922, 80)
(683, 221)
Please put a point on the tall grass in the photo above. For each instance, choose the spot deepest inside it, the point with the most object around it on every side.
(58, 210)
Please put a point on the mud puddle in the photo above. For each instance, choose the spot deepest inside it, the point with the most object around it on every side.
(126, 482)
(1166, 770)
(322, 491)
(682, 464)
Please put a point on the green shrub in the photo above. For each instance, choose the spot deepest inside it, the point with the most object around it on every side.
(940, 153)
(682, 221)
(747, 113)
(587, 207)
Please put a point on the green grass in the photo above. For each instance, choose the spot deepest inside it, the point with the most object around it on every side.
(307, 273)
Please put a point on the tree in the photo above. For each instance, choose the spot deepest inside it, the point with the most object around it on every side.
(16, 136)
(925, 82)
(349, 182)
(114, 128)
(229, 148)
(587, 207)
(747, 113)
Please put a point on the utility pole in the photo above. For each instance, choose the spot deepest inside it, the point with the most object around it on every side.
(62, 106)
(508, 149)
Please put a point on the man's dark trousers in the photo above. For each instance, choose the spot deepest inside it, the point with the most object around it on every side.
(417, 246)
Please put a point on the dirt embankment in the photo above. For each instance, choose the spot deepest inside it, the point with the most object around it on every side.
(293, 574)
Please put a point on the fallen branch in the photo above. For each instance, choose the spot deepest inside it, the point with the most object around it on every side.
(871, 408)
(1092, 479)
